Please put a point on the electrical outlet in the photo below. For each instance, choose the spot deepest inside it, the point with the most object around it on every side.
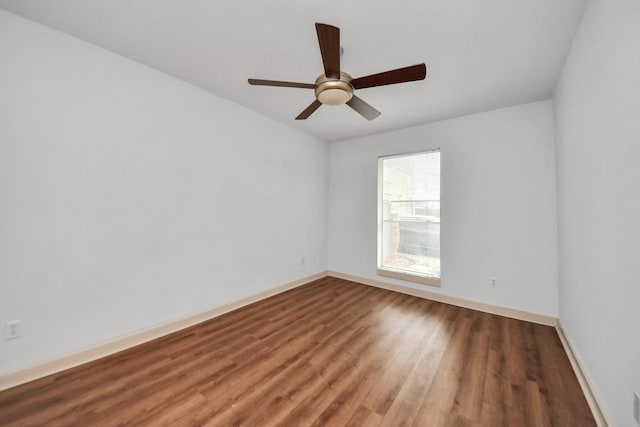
(493, 282)
(302, 261)
(12, 330)
(636, 407)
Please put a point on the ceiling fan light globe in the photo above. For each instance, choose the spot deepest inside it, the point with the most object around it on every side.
(334, 91)
(334, 96)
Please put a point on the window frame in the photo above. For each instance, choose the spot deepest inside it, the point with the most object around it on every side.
(389, 271)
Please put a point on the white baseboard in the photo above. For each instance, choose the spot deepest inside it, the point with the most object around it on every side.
(474, 305)
(585, 384)
(89, 354)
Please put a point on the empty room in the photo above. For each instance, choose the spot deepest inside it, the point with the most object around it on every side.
(295, 213)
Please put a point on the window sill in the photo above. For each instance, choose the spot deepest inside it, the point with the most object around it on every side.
(411, 277)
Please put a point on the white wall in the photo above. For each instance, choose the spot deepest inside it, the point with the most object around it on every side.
(129, 198)
(597, 105)
(498, 205)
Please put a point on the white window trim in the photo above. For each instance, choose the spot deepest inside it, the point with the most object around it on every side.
(408, 276)
(394, 273)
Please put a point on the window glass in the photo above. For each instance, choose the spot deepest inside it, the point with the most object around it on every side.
(409, 217)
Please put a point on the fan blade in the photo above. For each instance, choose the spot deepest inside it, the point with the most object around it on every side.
(400, 75)
(279, 83)
(365, 110)
(329, 41)
(309, 110)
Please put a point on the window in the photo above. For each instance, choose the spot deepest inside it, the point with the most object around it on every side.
(409, 217)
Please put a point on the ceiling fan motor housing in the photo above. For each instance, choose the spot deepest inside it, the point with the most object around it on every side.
(332, 91)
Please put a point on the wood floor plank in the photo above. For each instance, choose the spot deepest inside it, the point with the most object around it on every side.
(332, 352)
(405, 407)
(364, 417)
(440, 401)
(470, 393)
(497, 390)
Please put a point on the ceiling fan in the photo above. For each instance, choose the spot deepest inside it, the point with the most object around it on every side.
(336, 87)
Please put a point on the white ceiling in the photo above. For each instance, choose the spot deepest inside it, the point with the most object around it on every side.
(480, 55)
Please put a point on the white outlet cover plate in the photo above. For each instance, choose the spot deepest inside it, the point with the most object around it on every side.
(12, 330)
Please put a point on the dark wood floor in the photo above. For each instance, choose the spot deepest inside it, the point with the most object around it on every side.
(331, 352)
